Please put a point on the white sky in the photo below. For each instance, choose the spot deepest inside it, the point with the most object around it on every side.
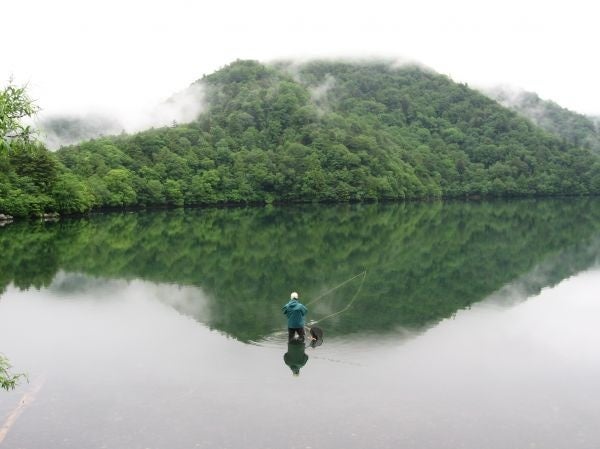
(122, 57)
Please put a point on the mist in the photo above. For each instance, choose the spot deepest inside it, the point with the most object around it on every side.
(68, 128)
(62, 130)
(577, 129)
(57, 129)
(516, 98)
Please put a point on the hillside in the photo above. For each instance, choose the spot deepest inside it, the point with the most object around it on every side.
(576, 129)
(327, 132)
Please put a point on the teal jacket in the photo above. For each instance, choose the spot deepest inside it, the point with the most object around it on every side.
(295, 312)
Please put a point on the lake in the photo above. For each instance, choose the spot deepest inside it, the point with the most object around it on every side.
(446, 325)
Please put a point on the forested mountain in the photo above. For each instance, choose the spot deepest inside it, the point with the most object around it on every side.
(576, 129)
(321, 131)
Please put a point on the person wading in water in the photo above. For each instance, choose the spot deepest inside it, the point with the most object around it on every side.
(295, 311)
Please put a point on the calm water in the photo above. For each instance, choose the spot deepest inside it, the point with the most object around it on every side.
(475, 326)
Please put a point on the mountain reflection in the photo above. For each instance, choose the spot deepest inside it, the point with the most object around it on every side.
(424, 261)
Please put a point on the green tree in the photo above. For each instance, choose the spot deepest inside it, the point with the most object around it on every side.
(119, 182)
(32, 180)
(35, 162)
(15, 105)
(173, 193)
(71, 195)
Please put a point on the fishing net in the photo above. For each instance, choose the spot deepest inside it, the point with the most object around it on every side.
(316, 332)
(317, 336)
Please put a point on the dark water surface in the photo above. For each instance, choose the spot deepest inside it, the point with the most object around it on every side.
(477, 325)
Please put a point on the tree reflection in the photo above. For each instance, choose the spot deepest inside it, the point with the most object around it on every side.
(425, 261)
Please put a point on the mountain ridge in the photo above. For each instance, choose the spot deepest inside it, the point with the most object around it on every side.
(323, 131)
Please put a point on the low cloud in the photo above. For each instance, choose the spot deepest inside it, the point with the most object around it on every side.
(57, 130)
(183, 107)
(318, 94)
(62, 130)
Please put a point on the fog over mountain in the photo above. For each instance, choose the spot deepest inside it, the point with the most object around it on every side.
(61, 130)
(68, 129)
(575, 128)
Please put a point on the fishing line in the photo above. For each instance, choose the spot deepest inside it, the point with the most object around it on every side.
(364, 275)
(322, 295)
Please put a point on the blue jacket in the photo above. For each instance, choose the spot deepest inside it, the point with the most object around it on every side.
(295, 312)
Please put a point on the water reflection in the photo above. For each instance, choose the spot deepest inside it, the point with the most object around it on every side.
(135, 374)
(425, 261)
(295, 357)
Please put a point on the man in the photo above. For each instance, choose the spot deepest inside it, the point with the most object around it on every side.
(295, 311)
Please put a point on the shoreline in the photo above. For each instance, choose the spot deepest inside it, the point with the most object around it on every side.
(56, 216)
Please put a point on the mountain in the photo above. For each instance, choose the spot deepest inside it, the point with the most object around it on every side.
(576, 129)
(324, 131)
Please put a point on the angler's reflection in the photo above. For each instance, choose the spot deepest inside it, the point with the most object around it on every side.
(295, 357)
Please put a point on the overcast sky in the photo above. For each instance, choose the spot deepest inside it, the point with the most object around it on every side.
(121, 57)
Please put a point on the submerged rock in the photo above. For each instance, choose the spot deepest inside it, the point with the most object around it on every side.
(5, 218)
(51, 216)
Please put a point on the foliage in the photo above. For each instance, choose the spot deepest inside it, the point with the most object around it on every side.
(32, 180)
(15, 105)
(8, 381)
